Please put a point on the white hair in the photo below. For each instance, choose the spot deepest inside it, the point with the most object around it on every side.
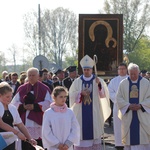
(32, 69)
(26, 80)
(4, 72)
(133, 66)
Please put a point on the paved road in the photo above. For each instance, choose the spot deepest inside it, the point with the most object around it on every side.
(109, 137)
(110, 147)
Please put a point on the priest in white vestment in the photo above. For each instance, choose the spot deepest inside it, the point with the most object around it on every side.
(133, 98)
(89, 100)
(113, 87)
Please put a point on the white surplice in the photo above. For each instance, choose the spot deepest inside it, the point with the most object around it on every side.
(113, 87)
(58, 127)
(33, 128)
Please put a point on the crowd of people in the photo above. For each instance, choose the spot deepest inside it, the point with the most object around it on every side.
(66, 111)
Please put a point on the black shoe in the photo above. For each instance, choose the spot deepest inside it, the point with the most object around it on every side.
(119, 147)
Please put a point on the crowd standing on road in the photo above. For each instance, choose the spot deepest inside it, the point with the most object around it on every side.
(40, 111)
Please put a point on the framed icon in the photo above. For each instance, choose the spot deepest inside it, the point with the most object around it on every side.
(101, 35)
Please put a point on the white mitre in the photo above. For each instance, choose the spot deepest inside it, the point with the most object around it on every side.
(87, 62)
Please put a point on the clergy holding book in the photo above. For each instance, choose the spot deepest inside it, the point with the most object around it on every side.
(89, 100)
(133, 98)
(32, 99)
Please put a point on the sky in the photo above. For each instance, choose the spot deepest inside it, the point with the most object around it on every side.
(12, 11)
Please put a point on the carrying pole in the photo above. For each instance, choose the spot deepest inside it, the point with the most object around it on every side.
(95, 70)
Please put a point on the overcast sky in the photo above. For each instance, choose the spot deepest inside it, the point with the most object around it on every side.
(11, 12)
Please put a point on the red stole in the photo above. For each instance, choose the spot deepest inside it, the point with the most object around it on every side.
(40, 91)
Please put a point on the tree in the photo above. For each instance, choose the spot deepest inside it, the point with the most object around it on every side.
(141, 55)
(31, 33)
(61, 25)
(58, 33)
(71, 61)
(136, 18)
(2, 62)
(14, 52)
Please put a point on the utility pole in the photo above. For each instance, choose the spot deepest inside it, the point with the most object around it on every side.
(39, 23)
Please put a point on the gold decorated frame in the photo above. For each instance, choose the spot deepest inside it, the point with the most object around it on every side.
(108, 47)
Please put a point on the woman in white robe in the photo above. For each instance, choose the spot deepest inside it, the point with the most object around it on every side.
(9, 113)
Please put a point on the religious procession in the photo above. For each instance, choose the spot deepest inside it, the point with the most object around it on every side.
(101, 102)
(67, 111)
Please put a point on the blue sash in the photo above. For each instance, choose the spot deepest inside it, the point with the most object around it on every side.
(134, 99)
(87, 112)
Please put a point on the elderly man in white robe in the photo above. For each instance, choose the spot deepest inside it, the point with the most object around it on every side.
(113, 87)
(89, 100)
(133, 98)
